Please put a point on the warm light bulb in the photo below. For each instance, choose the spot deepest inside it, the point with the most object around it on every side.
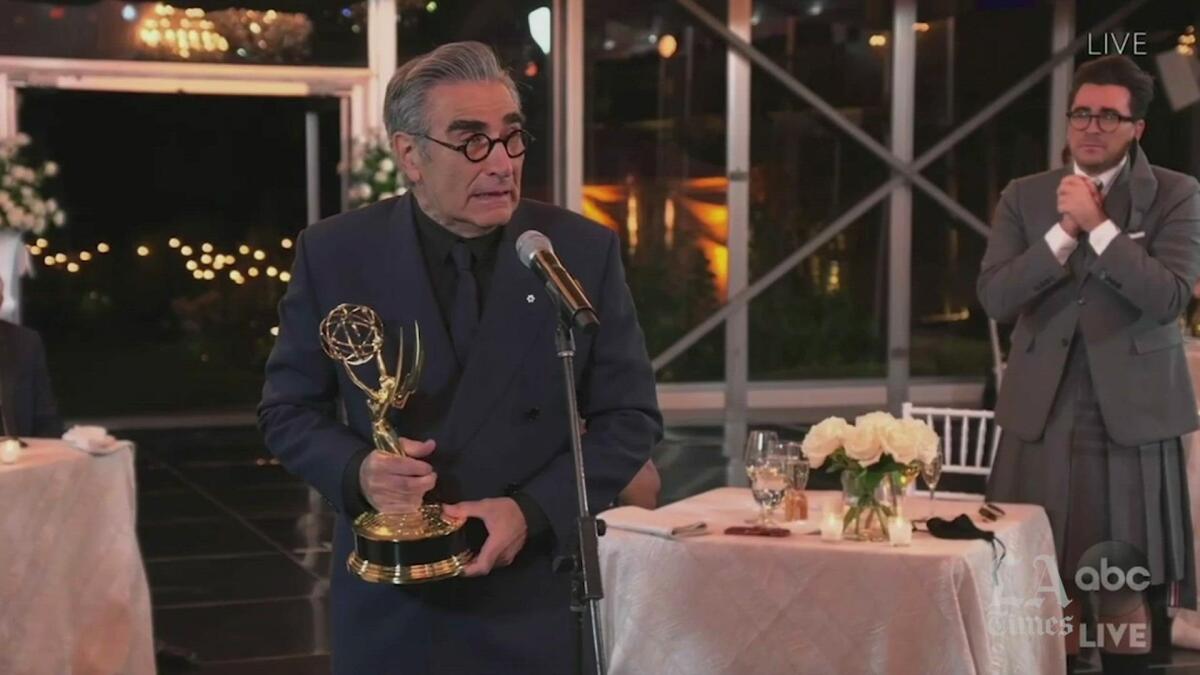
(667, 45)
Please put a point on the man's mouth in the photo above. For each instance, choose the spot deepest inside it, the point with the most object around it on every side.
(492, 194)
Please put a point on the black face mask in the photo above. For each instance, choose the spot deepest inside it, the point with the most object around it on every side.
(962, 528)
(959, 528)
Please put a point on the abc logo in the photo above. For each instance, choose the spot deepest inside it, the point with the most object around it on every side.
(1112, 578)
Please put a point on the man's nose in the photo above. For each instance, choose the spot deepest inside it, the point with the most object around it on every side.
(498, 162)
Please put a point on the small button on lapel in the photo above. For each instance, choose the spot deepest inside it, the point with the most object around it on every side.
(529, 298)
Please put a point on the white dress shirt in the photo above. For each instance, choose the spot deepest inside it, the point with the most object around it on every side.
(1062, 245)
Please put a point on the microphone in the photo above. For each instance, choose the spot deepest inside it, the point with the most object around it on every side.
(536, 253)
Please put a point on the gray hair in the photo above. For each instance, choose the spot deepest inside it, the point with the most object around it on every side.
(405, 104)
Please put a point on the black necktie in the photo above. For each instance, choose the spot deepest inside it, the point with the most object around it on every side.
(464, 315)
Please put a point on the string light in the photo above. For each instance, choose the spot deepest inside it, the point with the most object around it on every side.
(42, 243)
(206, 259)
(253, 271)
(85, 256)
(260, 254)
(192, 265)
(244, 249)
(143, 251)
(272, 272)
(102, 248)
(186, 251)
(60, 257)
(286, 243)
(50, 261)
(73, 267)
(35, 250)
(1187, 42)
(174, 242)
(285, 277)
(206, 247)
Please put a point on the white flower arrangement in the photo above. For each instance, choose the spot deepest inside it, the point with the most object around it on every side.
(23, 207)
(875, 441)
(876, 449)
(373, 173)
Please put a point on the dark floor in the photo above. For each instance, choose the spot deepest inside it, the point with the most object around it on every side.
(238, 551)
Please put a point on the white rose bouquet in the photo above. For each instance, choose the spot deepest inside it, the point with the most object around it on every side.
(875, 449)
(373, 172)
(23, 205)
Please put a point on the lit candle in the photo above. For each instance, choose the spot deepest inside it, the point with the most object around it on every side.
(10, 450)
(899, 531)
(831, 526)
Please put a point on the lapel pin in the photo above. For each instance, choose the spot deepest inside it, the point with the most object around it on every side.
(529, 298)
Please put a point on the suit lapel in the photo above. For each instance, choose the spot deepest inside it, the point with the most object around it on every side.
(8, 381)
(407, 298)
(1116, 206)
(1128, 200)
(1143, 189)
(509, 327)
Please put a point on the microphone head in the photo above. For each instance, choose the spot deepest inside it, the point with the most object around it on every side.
(531, 243)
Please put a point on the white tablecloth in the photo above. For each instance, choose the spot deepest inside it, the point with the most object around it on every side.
(738, 605)
(73, 593)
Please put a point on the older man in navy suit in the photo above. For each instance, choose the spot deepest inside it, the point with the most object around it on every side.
(27, 405)
(487, 431)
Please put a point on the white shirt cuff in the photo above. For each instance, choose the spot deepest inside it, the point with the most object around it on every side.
(1102, 236)
(1061, 244)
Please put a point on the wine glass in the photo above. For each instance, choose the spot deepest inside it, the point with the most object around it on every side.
(797, 464)
(760, 446)
(769, 484)
(931, 471)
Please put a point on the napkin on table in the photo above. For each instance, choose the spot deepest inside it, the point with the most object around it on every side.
(92, 440)
(657, 523)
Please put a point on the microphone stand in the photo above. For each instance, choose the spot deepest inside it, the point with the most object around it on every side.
(584, 562)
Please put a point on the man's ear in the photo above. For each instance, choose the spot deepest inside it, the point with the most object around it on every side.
(409, 158)
(1139, 128)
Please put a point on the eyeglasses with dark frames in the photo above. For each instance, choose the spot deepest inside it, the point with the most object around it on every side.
(478, 147)
(1107, 120)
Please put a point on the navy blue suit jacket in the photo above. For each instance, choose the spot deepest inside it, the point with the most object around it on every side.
(500, 425)
(26, 400)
